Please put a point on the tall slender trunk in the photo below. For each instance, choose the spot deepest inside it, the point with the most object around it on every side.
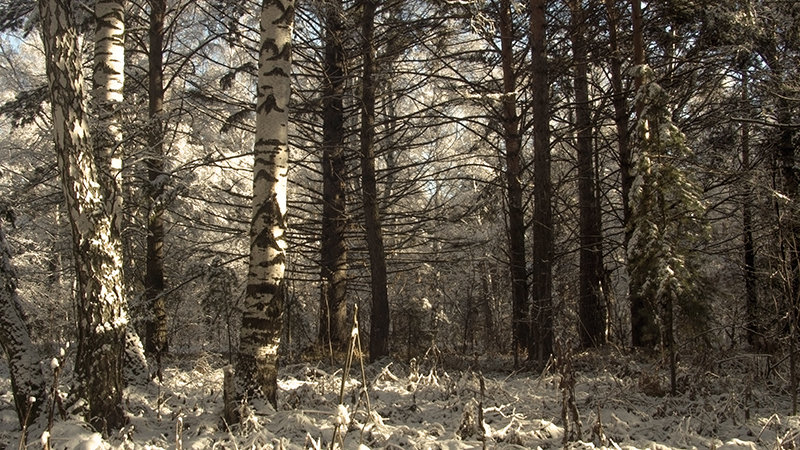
(516, 214)
(156, 323)
(107, 83)
(621, 121)
(379, 317)
(262, 317)
(749, 252)
(27, 381)
(592, 319)
(101, 307)
(333, 302)
(107, 97)
(541, 342)
(643, 325)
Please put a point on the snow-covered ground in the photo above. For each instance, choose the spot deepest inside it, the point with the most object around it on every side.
(619, 399)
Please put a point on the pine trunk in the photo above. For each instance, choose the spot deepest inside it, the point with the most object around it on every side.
(591, 309)
(379, 317)
(156, 323)
(541, 342)
(516, 214)
(749, 251)
(101, 307)
(262, 317)
(333, 328)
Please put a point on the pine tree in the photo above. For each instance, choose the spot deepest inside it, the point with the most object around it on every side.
(666, 219)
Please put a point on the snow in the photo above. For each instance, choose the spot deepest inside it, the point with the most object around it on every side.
(426, 406)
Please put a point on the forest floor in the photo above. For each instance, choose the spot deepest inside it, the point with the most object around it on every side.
(621, 402)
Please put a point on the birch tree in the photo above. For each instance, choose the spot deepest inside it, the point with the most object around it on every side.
(102, 318)
(108, 77)
(262, 318)
(27, 382)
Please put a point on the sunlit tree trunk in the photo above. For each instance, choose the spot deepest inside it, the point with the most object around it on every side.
(541, 342)
(107, 97)
(379, 318)
(156, 324)
(333, 306)
(101, 307)
(27, 382)
(262, 317)
(591, 308)
(516, 214)
(108, 78)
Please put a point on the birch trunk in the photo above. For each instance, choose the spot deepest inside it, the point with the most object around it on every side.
(27, 381)
(262, 318)
(107, 98)
(101, 308)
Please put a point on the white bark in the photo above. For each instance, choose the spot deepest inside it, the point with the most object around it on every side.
(98, 263)
(263, 309)
(27, 381)
(109, 77)
(107, 98)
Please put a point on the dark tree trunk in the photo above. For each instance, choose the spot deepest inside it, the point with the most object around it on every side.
(621, 122)
(592, 319)
(621, 115)
(379, 318)
(333, 327)
(516, 214)
(541, 342)
(749, 252)
(156, 323)
(644, 331)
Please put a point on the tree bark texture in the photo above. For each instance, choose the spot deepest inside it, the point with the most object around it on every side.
(516, 214)
(591, 307)
(541, 342)
(108, 79)
(107, 97)
(334, 328)
(27, 381)
(379, 317)
(621, 114)
(101, 307)
(262, 317)
(156, 323)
